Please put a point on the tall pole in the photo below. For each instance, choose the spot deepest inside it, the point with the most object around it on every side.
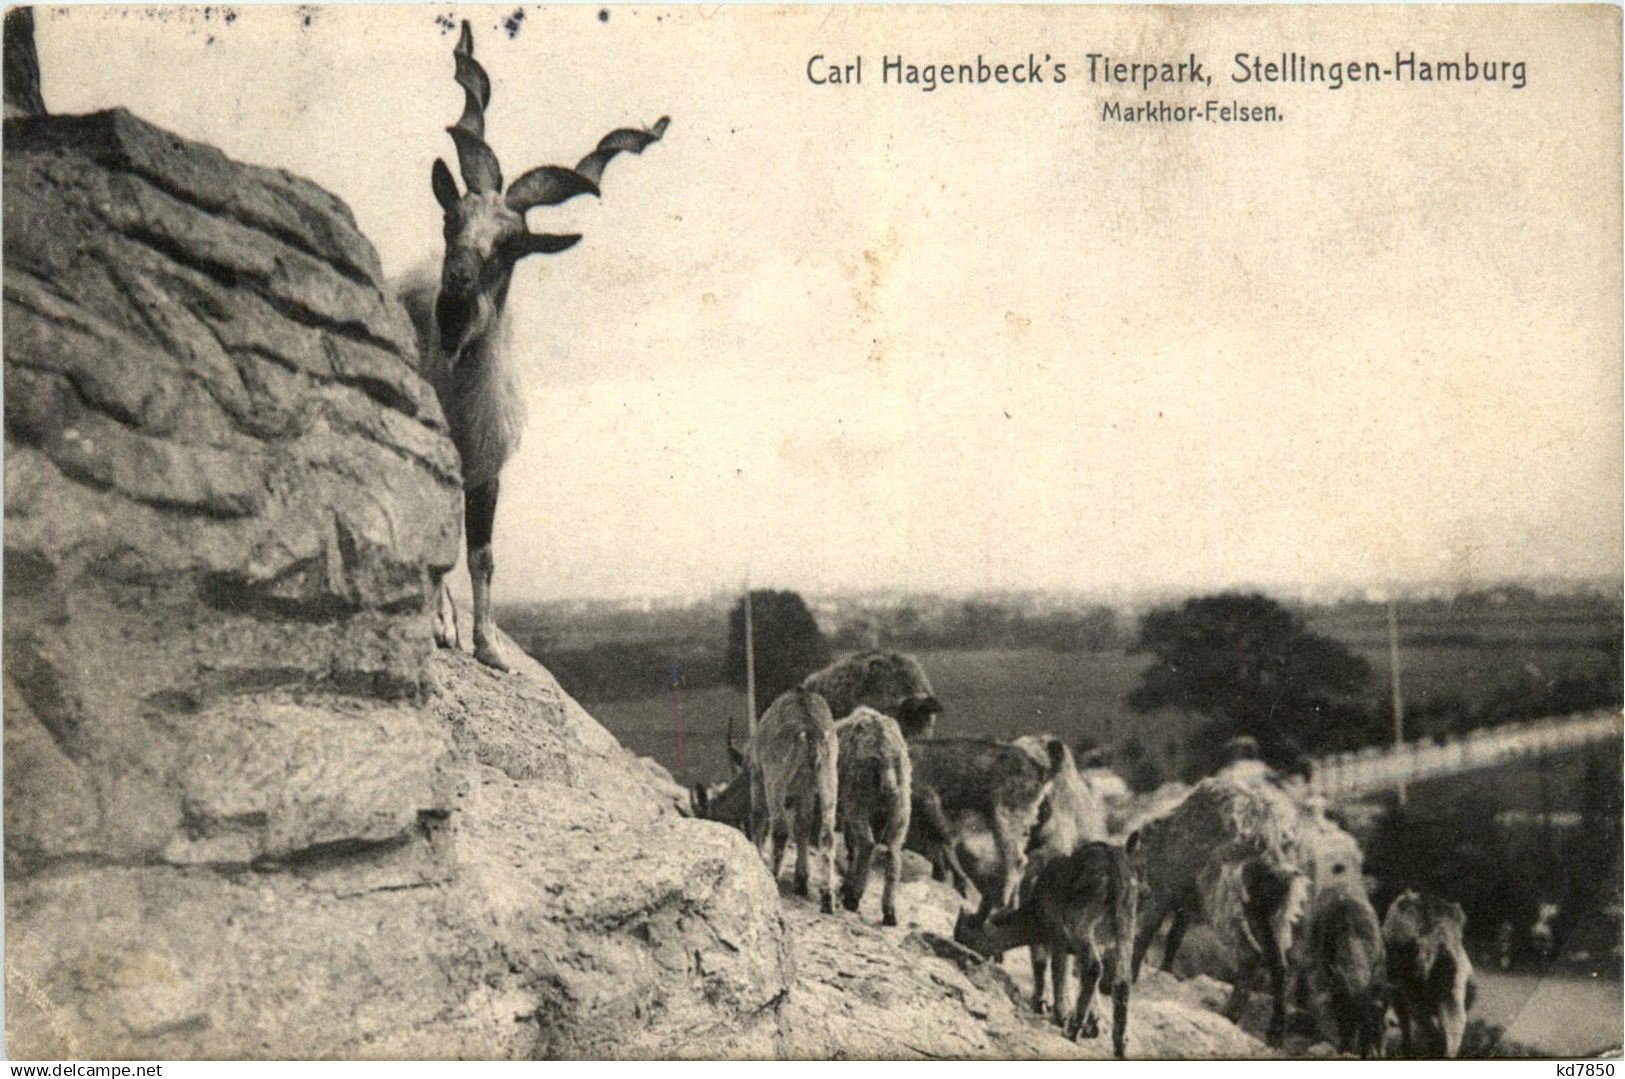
(1399, 700)
(750, 668)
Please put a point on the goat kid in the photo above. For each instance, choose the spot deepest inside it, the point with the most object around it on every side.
(1072, 815)
(976, 803)
(874, 803)
(793, 763)
(1082, 904)
(1347, 965)
(1429, 973)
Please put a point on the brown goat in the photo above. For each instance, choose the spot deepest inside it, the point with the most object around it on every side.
(874, 803)
(889, 682)
(793, 763)
(1347, 964)
(1428, 973)
(1073, 814)
(1082, 904)
(1227, 855)
(976, 803)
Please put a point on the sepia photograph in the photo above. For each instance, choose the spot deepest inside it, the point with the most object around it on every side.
(822, 532)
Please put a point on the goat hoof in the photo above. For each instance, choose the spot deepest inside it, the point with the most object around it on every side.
(850, 902)
(888, 918)
(1091, 1028)
(488, 654)
(827, 904)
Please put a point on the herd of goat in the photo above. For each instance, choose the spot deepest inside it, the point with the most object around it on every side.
(1019, 823)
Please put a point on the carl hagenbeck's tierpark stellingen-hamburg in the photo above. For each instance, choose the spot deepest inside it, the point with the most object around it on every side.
(1101, 69)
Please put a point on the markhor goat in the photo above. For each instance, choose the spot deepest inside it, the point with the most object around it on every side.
(459, 318)
(976, 803)
(1347, 965)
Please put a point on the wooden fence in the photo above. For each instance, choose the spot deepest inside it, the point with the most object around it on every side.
(1380, 767)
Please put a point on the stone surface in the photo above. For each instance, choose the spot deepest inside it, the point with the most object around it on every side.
(862, 991)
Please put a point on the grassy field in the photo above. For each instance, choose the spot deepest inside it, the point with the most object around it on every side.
(1455, 662)
(995, 693)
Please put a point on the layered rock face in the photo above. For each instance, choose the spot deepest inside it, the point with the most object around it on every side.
(249, 810)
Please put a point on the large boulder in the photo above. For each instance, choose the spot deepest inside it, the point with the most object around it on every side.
(249, 809)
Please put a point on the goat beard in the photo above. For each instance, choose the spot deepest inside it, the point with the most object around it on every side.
(461, 321)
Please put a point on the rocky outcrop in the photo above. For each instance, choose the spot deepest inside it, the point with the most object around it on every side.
(863, 992)
(249, 810)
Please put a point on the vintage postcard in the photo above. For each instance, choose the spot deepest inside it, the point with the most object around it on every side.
(917, 532)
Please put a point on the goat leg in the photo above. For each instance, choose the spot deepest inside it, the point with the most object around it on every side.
(1176, 935)
(1084, 1022)
(894, 871)
(447, 633)
(479, 513)
(1120, 991)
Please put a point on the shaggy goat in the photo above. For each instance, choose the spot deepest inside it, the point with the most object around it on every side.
(1227, 855)
(1428, 973)
(889, 682)
(874, 803)
(793, 762)
(1072, 815)
(976, 802)
(1084, 904)
(460, 317)
(1346, 964)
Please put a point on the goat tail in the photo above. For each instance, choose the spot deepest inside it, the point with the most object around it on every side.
(1122, 899)
(893, 784)
(1223, 889)
(1348, 969)
(824, 752)
(1292, 910)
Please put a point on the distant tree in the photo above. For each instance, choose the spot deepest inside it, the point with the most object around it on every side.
(1250, 667)
(787, 642)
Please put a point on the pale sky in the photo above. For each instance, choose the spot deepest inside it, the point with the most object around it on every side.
(868, 337)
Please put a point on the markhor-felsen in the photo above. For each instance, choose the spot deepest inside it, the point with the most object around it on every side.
(1168, 112)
